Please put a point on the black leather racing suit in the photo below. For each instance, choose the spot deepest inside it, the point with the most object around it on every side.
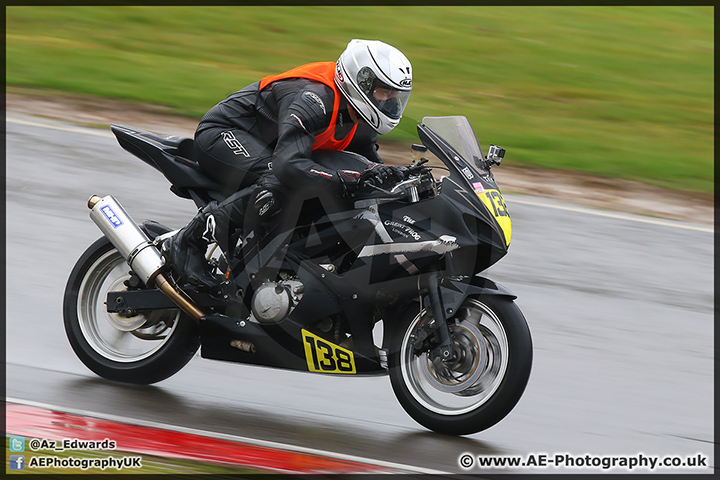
(253, 132)
(255, 142)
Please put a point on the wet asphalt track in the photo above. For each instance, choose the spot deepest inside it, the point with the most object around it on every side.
(621, 312)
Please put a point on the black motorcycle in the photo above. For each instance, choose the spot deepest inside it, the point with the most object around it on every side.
(308, 295)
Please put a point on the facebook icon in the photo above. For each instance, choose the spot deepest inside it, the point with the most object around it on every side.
(17, 462)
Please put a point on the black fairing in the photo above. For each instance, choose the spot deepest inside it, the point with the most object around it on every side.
(173, 157)
(354, 261)
(475, 215)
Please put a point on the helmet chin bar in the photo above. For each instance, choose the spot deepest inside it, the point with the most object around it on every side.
(373, 121)
(363, 110)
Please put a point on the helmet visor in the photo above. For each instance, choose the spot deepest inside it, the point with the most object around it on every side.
(389, 100)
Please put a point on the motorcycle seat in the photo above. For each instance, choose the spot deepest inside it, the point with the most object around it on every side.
(171, 144)
(173, 156)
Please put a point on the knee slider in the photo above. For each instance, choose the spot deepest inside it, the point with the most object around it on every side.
(266, 204)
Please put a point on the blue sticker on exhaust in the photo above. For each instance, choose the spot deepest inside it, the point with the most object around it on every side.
(110, 215)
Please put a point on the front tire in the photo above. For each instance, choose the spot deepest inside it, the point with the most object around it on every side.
(142, 349)
(493, 350)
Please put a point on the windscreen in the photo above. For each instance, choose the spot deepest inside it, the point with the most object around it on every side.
(458, 133)
(453, 140)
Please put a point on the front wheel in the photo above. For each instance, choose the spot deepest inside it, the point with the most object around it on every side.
(484, 381)
(141, 349)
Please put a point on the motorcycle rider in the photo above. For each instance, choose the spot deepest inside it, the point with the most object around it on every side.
(266, 140)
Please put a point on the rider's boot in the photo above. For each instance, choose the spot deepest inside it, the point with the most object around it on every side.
(185, 251)
(215, 222)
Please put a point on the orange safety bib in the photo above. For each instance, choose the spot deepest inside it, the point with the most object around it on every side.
(323, 72)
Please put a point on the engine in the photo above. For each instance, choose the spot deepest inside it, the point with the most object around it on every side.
(274, 300)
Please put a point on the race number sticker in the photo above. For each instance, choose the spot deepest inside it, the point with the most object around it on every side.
(325, 357)
(493, 200)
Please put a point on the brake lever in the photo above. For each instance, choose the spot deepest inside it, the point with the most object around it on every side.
(386, 192)
(417, 166)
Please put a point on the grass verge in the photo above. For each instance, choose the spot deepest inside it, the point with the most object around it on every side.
(617, 91)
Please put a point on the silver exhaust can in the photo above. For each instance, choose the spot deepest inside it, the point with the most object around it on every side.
(132, 243)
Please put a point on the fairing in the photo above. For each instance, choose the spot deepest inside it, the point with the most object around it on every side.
(453, 141)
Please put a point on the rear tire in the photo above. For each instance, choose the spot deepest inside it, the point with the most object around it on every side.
(143, 349)
(494, 347)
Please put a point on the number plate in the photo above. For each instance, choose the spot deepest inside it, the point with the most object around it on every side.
(493, 200)
(326, 357)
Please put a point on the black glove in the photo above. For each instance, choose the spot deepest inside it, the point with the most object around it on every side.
(377, 174)
(384, 176)
(349, 182)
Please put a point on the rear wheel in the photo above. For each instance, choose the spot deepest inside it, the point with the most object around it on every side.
(492, 350)
(142, 349)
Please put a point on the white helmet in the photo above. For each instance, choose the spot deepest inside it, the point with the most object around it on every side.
(376, 79)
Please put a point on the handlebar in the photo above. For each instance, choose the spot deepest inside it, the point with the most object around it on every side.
(418, 184)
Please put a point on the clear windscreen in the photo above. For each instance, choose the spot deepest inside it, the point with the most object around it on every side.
(457, 132)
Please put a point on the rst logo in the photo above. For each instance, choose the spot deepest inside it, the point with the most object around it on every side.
(234, 144)
(325, 357)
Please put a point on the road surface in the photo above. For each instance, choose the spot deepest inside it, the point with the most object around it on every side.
(620, 308)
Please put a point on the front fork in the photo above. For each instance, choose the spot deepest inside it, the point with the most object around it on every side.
(446, 295)
(443, 351)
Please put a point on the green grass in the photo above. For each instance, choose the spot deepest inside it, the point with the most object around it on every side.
(615, 91)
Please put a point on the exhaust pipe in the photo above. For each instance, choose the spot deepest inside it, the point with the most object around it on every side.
(136, 248)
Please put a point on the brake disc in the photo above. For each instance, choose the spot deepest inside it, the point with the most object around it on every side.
(157, 325)
(465, 371)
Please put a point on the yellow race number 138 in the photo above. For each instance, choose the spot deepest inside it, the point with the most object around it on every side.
(326, 357)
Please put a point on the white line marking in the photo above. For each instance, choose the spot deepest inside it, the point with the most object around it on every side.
(621, 216)
(60, 127)
(223, 436)
(588, 211)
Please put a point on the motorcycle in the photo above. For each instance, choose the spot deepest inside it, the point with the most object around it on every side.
(309, 297)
